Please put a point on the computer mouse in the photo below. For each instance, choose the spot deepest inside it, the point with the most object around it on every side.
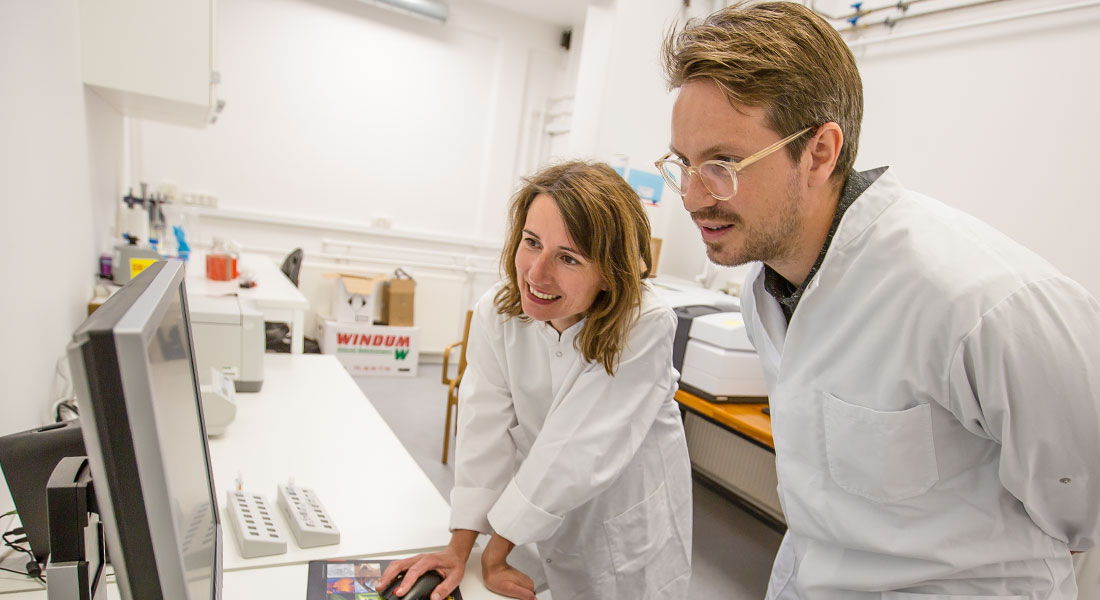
(420, 590)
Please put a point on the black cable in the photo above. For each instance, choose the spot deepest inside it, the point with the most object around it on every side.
(33, 568)
(68, 405)
(35, 572)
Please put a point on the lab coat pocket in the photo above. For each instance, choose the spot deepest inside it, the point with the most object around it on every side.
(571, 576)
(881, 456)
(646, 551)
(519, 436)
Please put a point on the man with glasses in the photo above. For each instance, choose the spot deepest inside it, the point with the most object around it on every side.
(934, 386)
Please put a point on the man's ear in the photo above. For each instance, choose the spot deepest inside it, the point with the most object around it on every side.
(822, 152)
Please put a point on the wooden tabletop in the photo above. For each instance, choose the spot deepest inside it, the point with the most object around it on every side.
(747, 419)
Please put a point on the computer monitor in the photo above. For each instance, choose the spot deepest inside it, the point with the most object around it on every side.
(134, 374)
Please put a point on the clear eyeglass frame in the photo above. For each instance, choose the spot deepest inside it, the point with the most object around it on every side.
(719, 177)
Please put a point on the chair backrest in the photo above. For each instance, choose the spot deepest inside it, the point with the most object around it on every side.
(465, 343)
(292, 265)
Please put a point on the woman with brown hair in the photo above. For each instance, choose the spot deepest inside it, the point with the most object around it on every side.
(569, 437)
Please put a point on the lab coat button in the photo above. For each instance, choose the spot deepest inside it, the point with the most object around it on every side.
(1065, 480)
(558, 354)
(548, 561)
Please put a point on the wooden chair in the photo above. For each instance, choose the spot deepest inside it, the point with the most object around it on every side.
(453, 383)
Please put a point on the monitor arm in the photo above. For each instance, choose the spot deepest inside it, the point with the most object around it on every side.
(75, 568)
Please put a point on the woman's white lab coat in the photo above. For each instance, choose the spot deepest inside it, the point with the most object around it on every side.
(591, 468)
(935, 405)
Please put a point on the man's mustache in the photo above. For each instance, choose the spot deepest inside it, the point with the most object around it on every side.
(714, 213)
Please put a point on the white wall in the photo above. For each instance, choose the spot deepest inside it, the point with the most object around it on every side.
(999, 121)
(623, 109)
(340, 109)
(47, 230)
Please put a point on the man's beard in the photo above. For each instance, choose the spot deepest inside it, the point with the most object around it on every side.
(768, 242)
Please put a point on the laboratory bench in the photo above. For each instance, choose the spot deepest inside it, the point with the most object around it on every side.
(311, 422)
(274, 294)
(732, 452)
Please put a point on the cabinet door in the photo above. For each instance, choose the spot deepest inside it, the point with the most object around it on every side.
(151, 59)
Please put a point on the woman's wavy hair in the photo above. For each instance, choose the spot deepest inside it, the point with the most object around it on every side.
(609, 226)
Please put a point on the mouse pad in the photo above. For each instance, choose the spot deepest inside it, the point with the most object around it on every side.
(348, 579)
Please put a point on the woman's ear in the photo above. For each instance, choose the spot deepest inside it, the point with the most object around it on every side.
(823, 151)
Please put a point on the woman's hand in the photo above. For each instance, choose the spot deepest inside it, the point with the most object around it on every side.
(449, 562)
(501, 577)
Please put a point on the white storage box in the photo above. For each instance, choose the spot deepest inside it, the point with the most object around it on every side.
(371, 349)
(228, 332)
(722, 373)
(725, 330)
(357, 299)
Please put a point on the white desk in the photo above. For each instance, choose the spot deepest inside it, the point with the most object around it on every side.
(274, 295)
(311, 421)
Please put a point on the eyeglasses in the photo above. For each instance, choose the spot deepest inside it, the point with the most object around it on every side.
(719, 177)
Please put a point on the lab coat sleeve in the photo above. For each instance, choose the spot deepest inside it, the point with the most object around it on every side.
(484, 452)
(591, 434)
(1028, 374)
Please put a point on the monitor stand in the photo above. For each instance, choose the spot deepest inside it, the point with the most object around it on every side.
(75, 568)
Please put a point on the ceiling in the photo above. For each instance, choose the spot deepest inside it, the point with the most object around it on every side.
(565, 13)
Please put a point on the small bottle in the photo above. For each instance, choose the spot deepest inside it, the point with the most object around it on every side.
(219, 263)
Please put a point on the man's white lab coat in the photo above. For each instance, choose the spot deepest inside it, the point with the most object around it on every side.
(591, 468)
(935, 405)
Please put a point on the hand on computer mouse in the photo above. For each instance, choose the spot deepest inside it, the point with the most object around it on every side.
(421, 589)
(449, 562)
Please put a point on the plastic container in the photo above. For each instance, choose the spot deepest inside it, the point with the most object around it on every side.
(221, 262)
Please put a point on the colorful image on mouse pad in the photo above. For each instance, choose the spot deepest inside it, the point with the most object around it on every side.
(352, 579)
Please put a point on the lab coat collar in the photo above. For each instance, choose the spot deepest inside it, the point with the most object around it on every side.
(884, 191)
(566, 336)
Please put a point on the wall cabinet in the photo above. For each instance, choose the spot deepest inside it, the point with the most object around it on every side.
(152, 59)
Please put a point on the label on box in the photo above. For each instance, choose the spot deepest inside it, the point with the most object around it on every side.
(348, 342)
(372, 349)
(137, 265)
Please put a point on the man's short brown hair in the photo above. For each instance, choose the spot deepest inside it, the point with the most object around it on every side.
(780, 56)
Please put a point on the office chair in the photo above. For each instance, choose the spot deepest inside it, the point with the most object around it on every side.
(453, 383)
(278, 334)
(292, 265)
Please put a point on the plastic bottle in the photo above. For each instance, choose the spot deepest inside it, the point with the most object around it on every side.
(220, 263)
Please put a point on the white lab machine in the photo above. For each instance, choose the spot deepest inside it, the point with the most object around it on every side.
(219, 406)
(229, 334)
(677, 293)
(719, 363)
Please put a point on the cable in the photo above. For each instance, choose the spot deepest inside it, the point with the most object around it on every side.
(16, 572)
(66, 404)
(63, 390)
(33, 569)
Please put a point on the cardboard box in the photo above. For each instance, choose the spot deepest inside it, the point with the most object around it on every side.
(371, 349)
(356, 299)
(397, 303)
(655, 249)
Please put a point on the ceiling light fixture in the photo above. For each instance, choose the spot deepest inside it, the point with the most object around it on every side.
(432, 10)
